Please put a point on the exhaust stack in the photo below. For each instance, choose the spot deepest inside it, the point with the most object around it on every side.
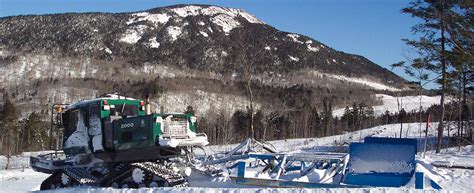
(147, 105)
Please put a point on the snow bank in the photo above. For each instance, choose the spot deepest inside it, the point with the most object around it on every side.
(450, 178)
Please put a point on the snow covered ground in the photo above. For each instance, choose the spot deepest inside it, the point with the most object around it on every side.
(453, 179)
(22, 180)
(409, 103)
(18, 180)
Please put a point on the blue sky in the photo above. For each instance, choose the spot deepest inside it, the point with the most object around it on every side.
(371, 28)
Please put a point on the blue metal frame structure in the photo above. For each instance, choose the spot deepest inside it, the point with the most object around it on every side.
(377, 162)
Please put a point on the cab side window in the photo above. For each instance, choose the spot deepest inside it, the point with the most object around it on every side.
(95, 126)
(70, 122)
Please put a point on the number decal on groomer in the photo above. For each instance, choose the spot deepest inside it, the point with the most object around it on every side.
(126, 125)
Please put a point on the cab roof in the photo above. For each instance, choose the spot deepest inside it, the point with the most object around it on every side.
(103, 97)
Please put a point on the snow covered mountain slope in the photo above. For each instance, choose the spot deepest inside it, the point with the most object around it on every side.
(194, 36)
(59, 58)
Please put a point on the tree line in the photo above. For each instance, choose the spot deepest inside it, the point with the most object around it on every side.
(19, 135)
(311, 122)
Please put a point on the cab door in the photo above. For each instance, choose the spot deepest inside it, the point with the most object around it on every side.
(76, 138)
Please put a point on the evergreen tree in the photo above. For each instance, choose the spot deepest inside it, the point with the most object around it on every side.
(34, 133)
(314, 123)
(345, 118)
(355, 117)
(9, 129)
(259, 124)
(462, 58)
(240, 123)
(371, 115)
(327, 119)
(432, 46)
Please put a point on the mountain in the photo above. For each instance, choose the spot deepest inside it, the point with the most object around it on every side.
(183, 55)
